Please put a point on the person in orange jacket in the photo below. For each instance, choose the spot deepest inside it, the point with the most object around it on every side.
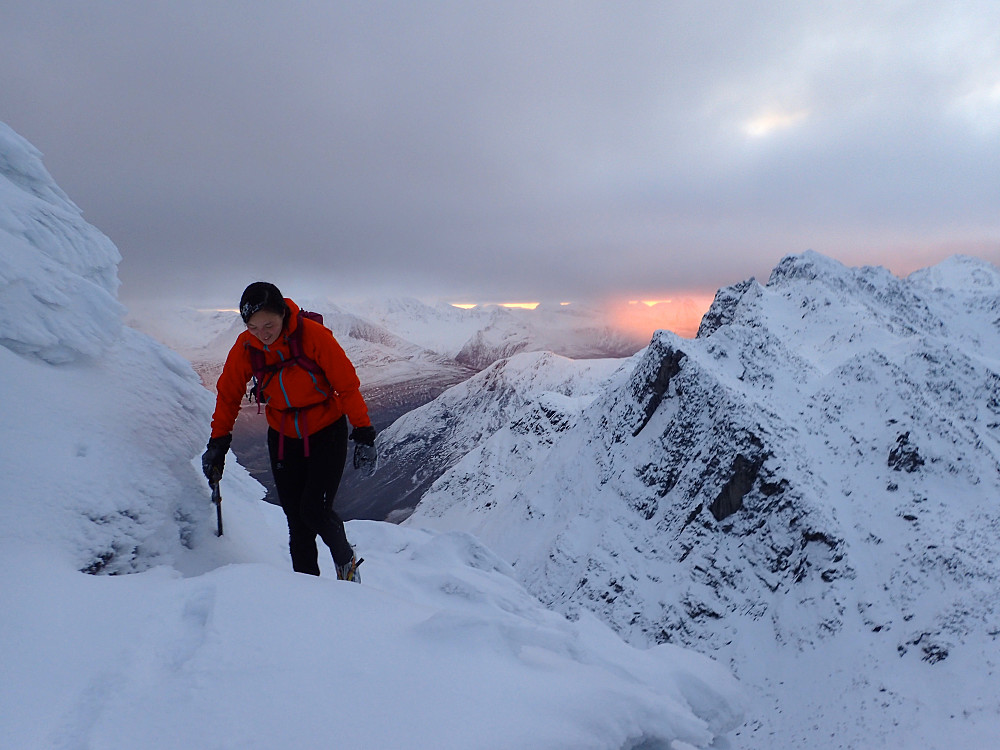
(309, 390)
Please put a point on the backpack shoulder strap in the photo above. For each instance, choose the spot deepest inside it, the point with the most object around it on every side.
(297, 356)
(295, 342)
(256, 360)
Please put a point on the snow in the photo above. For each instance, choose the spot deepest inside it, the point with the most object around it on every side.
(202, 641)
(441, 649)
(807, 492)
(58, 275)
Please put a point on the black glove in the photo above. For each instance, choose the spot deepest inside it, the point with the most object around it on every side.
(363, 435)
(213, 460)
(365, 454)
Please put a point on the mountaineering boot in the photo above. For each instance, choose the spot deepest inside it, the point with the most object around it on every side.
(349, 571)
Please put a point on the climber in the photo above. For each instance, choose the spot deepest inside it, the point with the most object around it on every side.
(309, 390)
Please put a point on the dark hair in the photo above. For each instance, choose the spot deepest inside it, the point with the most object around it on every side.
(261, 295)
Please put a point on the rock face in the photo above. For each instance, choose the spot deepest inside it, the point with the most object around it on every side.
(817, 472)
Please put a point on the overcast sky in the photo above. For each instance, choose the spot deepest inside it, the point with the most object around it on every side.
(510, 151)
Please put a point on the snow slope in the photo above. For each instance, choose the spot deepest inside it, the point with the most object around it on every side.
(209, 642)
(529, 395)
(808, 491)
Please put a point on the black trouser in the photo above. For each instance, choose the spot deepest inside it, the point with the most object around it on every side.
(306, 488)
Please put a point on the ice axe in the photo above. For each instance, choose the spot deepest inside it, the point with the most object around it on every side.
(217, 499)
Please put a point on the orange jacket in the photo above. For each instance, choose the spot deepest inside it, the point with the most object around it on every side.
(297, 402)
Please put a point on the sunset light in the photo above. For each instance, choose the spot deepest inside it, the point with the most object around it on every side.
(680, 313)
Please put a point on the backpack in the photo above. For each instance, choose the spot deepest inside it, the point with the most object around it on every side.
(262, 373)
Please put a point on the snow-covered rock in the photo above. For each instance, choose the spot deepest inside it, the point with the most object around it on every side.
(58, 275)
(807, 490)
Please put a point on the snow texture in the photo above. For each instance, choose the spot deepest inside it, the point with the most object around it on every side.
(58, 274)
(212, 642)
(808, 491)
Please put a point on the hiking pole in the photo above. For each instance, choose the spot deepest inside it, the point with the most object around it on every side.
(217, 499)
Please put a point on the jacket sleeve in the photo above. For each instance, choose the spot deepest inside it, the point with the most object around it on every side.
(330, 355)
(231, 389)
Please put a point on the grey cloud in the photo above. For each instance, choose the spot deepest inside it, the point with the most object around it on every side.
(511, 149)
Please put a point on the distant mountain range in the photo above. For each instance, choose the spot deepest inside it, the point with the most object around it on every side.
(407, 352)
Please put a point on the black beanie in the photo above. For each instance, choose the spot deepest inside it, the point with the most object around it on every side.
(261, 295)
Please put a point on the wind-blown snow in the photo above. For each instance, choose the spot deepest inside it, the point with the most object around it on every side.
(58, 275)
(212, 642)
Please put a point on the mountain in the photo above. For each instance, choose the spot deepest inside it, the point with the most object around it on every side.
(531, 394)
(408, 352)
(397, 374)
(127, 623)
(483, 334)
(807, 491)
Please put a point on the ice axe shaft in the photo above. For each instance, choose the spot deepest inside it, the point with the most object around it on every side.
(217, 499)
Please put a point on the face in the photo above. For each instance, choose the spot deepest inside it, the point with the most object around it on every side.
(266, 326)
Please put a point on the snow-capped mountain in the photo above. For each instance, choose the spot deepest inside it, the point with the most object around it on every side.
(397, 375)
(532, 394)
(200, 641)
(406, 353)
(403, 341)
(809, 490)
(479, 336)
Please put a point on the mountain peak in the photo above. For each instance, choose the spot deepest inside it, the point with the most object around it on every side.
(798, 479)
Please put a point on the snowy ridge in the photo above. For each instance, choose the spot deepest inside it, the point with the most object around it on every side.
(97, 449)
(528, 396)
(253, 656)
(58, 275)
(815, 474)
(213, 641)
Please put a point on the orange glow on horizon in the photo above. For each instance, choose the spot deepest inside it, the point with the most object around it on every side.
(680, 313)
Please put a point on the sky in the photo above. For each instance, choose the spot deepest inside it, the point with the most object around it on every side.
(514, 151)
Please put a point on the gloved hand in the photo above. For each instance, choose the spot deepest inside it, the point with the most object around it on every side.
(363, 435)
(213, 460)
(365, 454)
